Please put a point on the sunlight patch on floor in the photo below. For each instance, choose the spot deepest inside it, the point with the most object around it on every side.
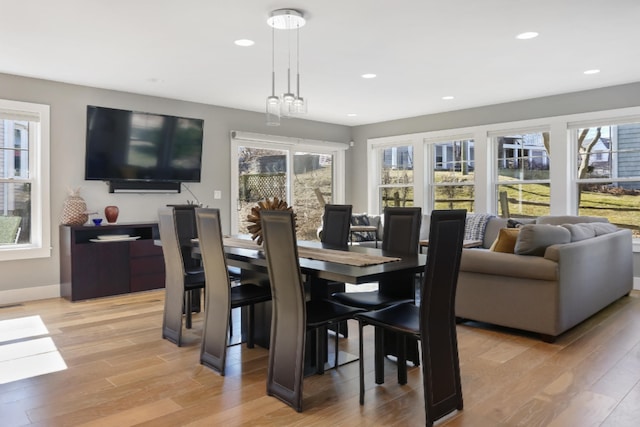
(23, 356)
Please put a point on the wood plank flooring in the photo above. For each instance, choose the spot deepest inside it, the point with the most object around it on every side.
(119, 372)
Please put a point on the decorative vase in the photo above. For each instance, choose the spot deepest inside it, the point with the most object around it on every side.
(74, 211)
(111, 213)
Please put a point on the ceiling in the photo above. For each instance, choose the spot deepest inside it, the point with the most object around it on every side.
(420, 50)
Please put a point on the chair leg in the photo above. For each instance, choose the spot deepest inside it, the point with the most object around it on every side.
(337, 350)
(250, 326)
(230, 323)
(379, 355)
(402, 359)
(361, 356)
(187, 308)
(321, 339)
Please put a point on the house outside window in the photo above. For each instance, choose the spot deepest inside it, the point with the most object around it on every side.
(608, 173)
(522, 167)
(24, 164)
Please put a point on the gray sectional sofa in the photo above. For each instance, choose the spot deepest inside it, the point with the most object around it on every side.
(587, 267)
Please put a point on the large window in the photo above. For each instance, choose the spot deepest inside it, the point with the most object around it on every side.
(304, 175)
(24, 202)
(453, 175)
(522, 167)
(608, 173)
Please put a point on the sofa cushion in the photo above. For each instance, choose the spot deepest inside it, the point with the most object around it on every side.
(568, 219)
(499, 264)
(604, 228)
(533, 239)
(361, 236)
(580, 231)
(506, 240)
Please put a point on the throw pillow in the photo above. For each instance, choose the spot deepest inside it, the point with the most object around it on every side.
(506, 240)
(476, 225)
(361, 236)
(534, 239)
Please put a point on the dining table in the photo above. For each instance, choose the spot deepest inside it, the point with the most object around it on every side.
(320, 264)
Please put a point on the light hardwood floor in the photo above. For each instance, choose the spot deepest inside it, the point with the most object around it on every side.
(121, 373)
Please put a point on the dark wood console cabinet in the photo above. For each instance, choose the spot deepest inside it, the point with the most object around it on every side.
(97, 269)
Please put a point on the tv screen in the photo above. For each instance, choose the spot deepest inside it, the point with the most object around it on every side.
(126, 145)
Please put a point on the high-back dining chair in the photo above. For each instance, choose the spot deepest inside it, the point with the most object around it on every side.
(400, 237)
(221, 298)
(336, 226)
(336, 223)
(433, 322)
(291, 315)
(179, 281)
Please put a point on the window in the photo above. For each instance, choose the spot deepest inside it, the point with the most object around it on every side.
(523, 172)
(24, 202)
(608, 173)
(303, 173)
(453, 175)
(395, 184)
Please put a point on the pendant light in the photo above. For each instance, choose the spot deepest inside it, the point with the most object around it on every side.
(290, 103)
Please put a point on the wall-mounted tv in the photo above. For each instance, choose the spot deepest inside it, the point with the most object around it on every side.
(136, 147)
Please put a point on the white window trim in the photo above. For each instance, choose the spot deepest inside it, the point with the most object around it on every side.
(290, 145)
(39, 170)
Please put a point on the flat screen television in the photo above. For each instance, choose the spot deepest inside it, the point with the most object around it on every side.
(131, 146)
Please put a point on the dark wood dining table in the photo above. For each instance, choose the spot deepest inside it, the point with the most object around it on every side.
(317, 274)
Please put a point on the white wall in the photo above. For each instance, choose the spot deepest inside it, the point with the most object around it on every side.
(39, 278)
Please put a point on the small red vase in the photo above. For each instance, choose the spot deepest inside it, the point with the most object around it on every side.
(111, 213)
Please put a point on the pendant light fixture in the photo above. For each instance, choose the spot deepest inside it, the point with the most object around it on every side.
(291, 103)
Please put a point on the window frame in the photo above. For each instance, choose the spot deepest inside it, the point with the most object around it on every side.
(39, 172)
(290, 146)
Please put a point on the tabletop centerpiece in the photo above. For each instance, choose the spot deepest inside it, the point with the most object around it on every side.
(255, 228)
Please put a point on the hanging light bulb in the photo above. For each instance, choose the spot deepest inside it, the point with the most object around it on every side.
(273, 102)
(288, 97)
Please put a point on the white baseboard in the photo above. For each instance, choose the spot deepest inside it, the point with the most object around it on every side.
(13, 296)
(636, 283)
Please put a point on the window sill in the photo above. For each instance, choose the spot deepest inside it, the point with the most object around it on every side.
(23, 252)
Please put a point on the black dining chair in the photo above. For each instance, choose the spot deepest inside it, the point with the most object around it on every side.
(336, 226)
(433, 322)
(180, 282)
(401, 235)
(220, 297)
(292, 315)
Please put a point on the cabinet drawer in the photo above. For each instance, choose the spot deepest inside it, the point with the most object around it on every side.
(147, 282)
(146, 266)
(142, 248)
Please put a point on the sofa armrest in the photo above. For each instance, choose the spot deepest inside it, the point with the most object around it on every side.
(484, 261)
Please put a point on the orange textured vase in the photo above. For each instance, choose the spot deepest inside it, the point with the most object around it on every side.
(111, 213)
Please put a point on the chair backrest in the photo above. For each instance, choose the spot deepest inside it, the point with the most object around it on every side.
(441, 366)
(336, 223)
(288, 321)
(401, 230)
(9, 229)
(187, 230)
(174, 275)
(218, 304)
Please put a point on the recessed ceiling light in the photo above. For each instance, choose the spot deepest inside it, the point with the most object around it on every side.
(154, 80)
(447, 98)
(369, 76)
(244, 42)
(352, 115)
(527, 35)
(594, 71)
